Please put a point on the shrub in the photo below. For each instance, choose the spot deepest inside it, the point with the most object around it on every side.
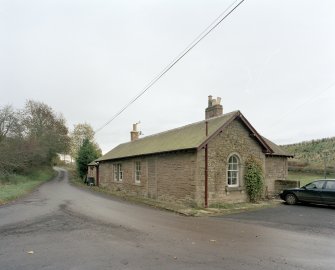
(86, 154)
(254, 179)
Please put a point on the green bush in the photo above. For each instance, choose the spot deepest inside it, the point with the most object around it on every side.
(254, 179)
(86, 154)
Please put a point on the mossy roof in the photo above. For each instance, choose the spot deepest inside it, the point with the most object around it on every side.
(277, 150)
(93, 163)
(191, 136)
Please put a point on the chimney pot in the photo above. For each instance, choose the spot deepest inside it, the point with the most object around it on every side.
(214, 107)
(210, 100)
(134, 134)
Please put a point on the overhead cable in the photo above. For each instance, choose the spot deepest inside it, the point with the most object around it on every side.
(199, 38)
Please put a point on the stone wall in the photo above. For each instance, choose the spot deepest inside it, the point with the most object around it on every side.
(175, 175)
(168, 177)
(180, 175)
(234, 139)
(128, 184)
(280, 185)
(275, 169)
(91, 172)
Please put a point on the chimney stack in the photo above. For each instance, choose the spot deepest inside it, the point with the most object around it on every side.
(210, 98)
(214, 107)
(134, 134)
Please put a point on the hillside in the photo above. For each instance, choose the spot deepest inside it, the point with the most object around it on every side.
(313, 153)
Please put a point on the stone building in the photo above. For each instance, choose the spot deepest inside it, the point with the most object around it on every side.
(201, 163)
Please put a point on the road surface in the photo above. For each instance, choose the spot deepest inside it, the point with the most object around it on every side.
(64, 227)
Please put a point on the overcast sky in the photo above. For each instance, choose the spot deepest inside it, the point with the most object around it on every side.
(272, 60)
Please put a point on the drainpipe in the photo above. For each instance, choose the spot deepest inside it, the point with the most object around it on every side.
(97, 174)
(206, 169)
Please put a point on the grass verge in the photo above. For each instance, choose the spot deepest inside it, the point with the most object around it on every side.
(16, 186)
(307, 177)
(212, 210)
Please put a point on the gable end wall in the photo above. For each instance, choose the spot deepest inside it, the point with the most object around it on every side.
(234, 139)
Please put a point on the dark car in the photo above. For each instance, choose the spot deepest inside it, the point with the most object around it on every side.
(89, 181)
(319, 191)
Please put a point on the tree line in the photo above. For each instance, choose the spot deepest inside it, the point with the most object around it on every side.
(32, 137)
(317, 151)
(315, 155)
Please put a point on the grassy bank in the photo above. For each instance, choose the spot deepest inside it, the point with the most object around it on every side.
(15, 186)
(307, 177)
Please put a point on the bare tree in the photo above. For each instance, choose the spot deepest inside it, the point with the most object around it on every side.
(31, 137)
(9, 123)
(80, 133)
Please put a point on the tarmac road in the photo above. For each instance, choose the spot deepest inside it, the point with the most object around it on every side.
(69, 228)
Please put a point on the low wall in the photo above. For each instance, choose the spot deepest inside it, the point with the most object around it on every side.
(280, 185)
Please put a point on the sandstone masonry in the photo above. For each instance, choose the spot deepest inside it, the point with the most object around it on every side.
(170, 166)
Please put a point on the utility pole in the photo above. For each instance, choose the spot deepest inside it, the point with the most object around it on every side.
(325, 155)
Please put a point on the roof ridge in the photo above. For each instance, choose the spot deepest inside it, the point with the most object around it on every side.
(188, 125)
(161, 142)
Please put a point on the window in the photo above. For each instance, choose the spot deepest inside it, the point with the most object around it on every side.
(118, 173)
(233, 171)
(137, 172)
(330, 185)
(315, 185)
(115, 172)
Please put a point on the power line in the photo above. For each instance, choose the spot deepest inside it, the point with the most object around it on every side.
(306, 101)
(200, 37)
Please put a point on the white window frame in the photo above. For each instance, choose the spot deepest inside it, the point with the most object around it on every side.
(233, 170)
(118, 173)
(119, 168)
(115, 172)
(138, 169)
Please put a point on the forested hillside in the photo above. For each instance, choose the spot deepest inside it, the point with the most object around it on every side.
(316, 152)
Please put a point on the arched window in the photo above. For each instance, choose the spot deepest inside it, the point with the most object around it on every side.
(233, 171)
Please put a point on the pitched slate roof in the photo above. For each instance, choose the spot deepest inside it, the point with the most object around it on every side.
(191, 136)
(93, 163)
(277, 150)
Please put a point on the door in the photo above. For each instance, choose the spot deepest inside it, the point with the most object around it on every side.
(152, 180)
(312, 192)
(328, 193)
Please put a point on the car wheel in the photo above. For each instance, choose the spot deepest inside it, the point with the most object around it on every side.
(291, 199)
